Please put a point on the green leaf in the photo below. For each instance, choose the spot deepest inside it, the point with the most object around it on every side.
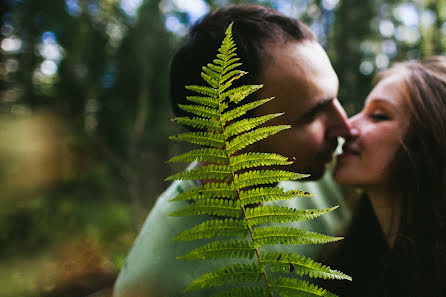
(200, 123)
(244, 291)
(200, 110)
(238, 273)
(286, 235)
(211, 228)
(282, 214)
(259, 177)
(242, 141)
(264, 194)
(209, 190)
(219, 172)
(289, 262)
(217, 207)
(222, 249)
(241, 110)
(248, 124)
(207, 101)
(211, 92)
(238, 94)
(250, 160)
(286, 286)
(206, 155)
(202, 138)
(210, 80)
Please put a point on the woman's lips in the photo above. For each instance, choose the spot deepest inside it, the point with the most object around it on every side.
(348, 151)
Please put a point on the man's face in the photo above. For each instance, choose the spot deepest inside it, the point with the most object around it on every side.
(305, 87)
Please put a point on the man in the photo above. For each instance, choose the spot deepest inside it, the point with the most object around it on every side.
(284, 55)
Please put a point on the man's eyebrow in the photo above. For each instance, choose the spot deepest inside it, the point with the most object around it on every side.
(320, 105)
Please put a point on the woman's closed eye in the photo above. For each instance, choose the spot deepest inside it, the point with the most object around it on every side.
(380, 116)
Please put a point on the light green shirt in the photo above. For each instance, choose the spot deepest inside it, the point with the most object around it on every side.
(152, 269)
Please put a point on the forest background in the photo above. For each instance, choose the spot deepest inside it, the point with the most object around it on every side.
(84, 115)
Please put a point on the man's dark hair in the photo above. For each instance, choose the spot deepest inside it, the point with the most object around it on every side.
(255, 26)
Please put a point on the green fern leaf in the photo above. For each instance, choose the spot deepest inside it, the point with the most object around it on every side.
(227, 199)
(210, 190)
(259, 177)
(232, 274)
(286, 235)
(211, 228)
(201, 138)
(242, 141)
(259, 195)
(222, 249)
(199, 123)
(286, 286)
(207, 101)
(250, 160)
(238, 94)
(210, 80)
(218, 207)
(207, 155)
(211, 92)
(219, 172)
(200, 110)
(232, 75)
(247, 124)
(241, 110)
(244, 292)
(289, 262)
(218, 69)
(228, 68)
(282, 214)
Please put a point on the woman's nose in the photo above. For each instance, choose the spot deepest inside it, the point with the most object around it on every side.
(353, 126)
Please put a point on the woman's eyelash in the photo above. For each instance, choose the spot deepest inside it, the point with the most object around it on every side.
(380, 116)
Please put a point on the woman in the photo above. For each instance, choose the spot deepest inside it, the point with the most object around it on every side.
(397, 157)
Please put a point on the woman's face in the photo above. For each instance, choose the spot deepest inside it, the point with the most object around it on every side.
(377, 133)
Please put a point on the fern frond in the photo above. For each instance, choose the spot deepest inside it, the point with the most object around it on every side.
(214, 83)
(207, 101)
(218, 69)
(292, 287)
(248, 124)
(239, 180)
(241, 110)
(213, 228)
(250, 160)
(238, 94)
(222, 249)
(244, 292)
(218, 172)
(264, 194)
(259, 177)
(207, 155)
(286, 235)
(242, 141)
(201, 138)
(289, 262)
(228, 83)
(282, 214)
(200, 123)
(211, 92)
(238, 273)
(200, 110)
(218, 207)
(210, 190)
(234, 74)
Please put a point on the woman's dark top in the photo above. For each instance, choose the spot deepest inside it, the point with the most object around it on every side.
(376, 269)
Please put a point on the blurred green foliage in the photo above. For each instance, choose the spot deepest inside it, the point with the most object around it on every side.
(84, 114)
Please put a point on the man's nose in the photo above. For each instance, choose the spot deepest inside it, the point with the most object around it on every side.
(338, 124)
